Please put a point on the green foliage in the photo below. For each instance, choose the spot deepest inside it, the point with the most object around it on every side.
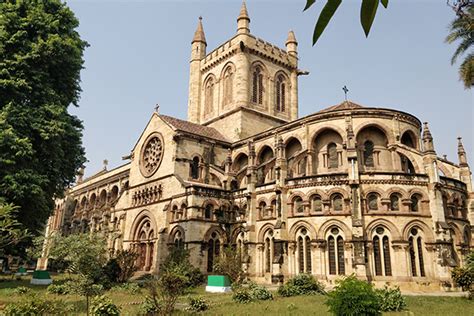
(178, 259)
(112, 270)
(59, 289)
(129, 287)
(22, 290)
(103, 306)
(242, 295)
(302, 284)
(462, 31)
(230, 264)
(150, 306)
(40, 142)
(260, 293)
(11, 230)
(353, 297)
(252, 292)
(197, 304)
(463, 277)
(391, 299)
(35, 305)
(126, 260)
(368, 11)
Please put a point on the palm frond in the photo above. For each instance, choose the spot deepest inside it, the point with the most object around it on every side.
(466, 71)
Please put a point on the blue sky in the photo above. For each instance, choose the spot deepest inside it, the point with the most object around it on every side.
(139, 56)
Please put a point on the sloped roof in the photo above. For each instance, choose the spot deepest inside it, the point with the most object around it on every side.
(193, 128)
(346, 105)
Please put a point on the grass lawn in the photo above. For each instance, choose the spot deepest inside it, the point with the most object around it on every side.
(222, 304)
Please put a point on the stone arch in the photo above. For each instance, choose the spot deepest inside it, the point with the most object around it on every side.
(209, 93)
(344, 193)
(427, 231)
(458, 233)
(445, 171)
(324, 229)
(321, 193)
(263, 230)
(379, 125)
(394, 232)
(293, 145)
(295, 194)
(423, 195)
(240, 161)
(218, 230)
(264, 153)
(415, 161)
(409, 138)
(302, 224)
(397, 190)
(372, 189)
(227, 79)
(228, 65)
(322, 129)
(173, 232)
(139, 219)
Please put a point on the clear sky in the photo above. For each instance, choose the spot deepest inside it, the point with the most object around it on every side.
(139, 56)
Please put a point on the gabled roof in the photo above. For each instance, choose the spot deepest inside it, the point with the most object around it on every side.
(346, 105)
(193, 128)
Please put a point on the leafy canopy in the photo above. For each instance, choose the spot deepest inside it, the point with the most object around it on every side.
(41, 56)
(368, 10)
(11, 231)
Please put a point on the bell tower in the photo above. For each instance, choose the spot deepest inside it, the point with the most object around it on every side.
(244, 86)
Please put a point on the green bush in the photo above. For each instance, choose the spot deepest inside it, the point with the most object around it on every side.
(38, 306)
(463, 277)
(150, 306)
(112, 270)
(129, 287)
(391, 299)
(195, 277)
(242, 295)
(302, 284)
(22, 290)
(59, 289)
(197, 304)
(259, 292)
(103, 306)
(353, 297)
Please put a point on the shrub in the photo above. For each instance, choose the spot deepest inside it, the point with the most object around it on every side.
(230, 264)
(22, 290)
(103, 306)
(129, 287)
(37, 306)
(259, 292)
(242, 295)
(179, 258)
(353, 297)
(391, 299)
(112, 270)
(150, 306)
(59, 289)
(463, 277)
(197, 304)
(126, 260)
(302, 284)
(195, 277)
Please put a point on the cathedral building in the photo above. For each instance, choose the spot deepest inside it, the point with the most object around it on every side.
(347, 190)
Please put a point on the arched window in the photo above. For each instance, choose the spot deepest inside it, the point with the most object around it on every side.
(298, 205)
(406, 165)
(316, 203)
(194, 168)
(268, 251)
(369, 153)
(257, 84)
(415, 248)
(178, 240)
(280, 94)
(337, 202)
(213, 250)
(209, 96)
(394, 202)
(373, 201)
(303, 251)
(381, 249)
(262, 207)
(272, 211)
(174, 213)
(333, 161)
(228, 86)
(336, 252)
(144, 242)
(208, 211)
(415, 203)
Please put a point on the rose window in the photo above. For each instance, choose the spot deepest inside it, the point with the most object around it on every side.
(152, 154)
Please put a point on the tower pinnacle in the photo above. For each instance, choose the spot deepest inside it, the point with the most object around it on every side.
(199, 34)
(427, 139)
(243, 21)
(461, 153)
(291, 43)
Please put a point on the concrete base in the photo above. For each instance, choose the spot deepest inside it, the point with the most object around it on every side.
(41, 281)
(218, 289)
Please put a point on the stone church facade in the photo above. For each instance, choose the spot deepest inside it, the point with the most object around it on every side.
(348, 189)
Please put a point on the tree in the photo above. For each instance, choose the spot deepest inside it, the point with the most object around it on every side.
(230, 264)
(462, 30)
(11, 231)
(368, 10)
(84, 255)
(41, 56)
(464, 276)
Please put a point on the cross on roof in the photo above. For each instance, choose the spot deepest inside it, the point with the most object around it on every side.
(345, 91)
(157, 108)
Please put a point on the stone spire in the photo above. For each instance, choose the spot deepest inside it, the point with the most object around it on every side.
(461, 153)
(291, 43)
(243, 21)
(199, 34)
(428, 145)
